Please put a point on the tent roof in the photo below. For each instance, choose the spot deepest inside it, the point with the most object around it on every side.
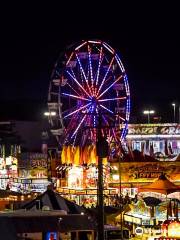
(41, 221)
(162, 185)
(151, 201)
(55, 202)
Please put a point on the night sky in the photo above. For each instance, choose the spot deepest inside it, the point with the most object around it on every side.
(33, 36)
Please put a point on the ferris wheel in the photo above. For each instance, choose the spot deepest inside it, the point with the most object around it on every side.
(89, 88)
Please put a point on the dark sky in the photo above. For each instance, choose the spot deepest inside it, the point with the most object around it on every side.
(32, 36)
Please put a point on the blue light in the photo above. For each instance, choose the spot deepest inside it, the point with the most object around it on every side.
(51, 235)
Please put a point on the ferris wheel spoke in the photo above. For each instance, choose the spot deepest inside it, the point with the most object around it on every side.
(83, 73)
(112, 99)
(114, 134)
(105, 75)
(90, 66)
(78, 83)
(121, 118)
(106, 108)
(105, 120)
(69, 58)
(77, 110)
(74, 96)
(94, 121)
(99, 65)
(110, 86)
(70, 127)
(73, 89)
(78, 126)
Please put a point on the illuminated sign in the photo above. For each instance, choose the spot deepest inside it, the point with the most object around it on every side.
(145, 171)
(91, 191)
(148, 171)
(38, 160)
(149, 129)
(42, 163)
(132, 219)
(81, 192)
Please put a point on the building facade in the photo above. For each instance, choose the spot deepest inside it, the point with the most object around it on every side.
(162, 139)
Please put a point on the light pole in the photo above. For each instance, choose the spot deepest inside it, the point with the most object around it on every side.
(120, 194)
(102, 152)
(148, 113)
(174, 107)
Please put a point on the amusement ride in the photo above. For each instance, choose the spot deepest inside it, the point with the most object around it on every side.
(88, 93)
(89, 84)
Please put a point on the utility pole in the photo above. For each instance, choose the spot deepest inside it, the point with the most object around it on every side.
(102, 152)
(120, 196)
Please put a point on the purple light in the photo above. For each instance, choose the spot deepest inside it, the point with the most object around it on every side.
(106, 109)
(79, 109)
(105, 120)
(78, 83)
(73, 96)
(69, 58)
(110, 86)
(82, 70)
(110, 49)
(121, 118)
(111, 99)
(90, 65)
(94, 121)
(78, 126)
(114, 134)
(105, 75)
(73, 89)
(81, 45)
(99, 65)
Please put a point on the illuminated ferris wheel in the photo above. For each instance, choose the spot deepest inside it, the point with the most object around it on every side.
(88, 89)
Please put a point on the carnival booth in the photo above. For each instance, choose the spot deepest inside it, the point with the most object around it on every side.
(81, 175)
(8, 171)
(32, 173)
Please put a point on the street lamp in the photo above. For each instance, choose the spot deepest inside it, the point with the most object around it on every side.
(174, 106)
(148, 113)
(50, 113)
